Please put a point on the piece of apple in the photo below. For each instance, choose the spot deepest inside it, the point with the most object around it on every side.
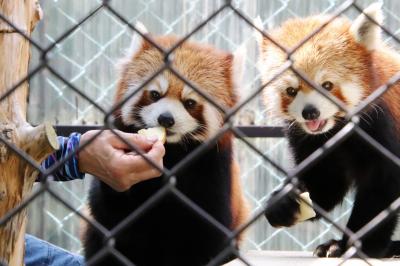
(306, 211)
(158, 132)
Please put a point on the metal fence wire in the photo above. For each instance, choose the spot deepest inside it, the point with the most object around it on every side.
(291, 185)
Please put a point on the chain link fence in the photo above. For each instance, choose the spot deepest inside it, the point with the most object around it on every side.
(82, 41)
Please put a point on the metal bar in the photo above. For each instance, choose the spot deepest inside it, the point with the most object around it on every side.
(248, 131)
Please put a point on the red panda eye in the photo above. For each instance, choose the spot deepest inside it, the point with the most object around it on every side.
(327, 85)
(189, 103)
(155, 95)
(291, 91)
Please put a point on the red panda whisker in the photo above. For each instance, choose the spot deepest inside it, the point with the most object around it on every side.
(377, 109)
(366, 118)
(275, 120)
(198, 136)
(293, 123)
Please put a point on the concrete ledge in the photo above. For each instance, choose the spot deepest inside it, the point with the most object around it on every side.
(299, 258)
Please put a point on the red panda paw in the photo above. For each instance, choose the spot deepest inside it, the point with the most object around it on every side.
(284, 212)
(331, 249)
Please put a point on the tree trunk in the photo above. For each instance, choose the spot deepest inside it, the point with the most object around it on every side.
(16, 175)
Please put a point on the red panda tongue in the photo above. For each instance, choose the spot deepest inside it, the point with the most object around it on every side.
(314, 125)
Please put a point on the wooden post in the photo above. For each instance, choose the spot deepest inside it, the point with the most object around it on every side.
(16, 176)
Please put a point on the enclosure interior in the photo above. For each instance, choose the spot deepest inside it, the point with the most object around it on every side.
(87, 58)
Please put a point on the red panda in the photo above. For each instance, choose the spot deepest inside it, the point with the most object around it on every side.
(349, 60)
(170, 233)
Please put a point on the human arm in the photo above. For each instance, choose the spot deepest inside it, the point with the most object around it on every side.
(106, 157)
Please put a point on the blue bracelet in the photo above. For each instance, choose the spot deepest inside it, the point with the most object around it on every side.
(70, 169)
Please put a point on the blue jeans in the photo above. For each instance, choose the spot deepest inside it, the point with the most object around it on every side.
(41, 253)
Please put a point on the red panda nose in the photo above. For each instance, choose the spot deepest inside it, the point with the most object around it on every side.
(166, 120)
(310, 112)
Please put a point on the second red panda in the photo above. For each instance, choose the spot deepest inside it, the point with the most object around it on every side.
(350, 61)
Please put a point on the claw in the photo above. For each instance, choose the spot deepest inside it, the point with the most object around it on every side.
(331, 249)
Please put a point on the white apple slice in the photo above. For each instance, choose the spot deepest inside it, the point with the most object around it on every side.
(306, 211)
(157, 132)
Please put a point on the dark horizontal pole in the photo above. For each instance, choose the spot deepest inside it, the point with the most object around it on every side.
(248, 131)
(261, 131)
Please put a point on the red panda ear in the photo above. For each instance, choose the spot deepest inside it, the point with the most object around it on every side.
(259, 37)
(137, 40)
(364, 30)
(238, 65)
(137, 43)
(261, 40)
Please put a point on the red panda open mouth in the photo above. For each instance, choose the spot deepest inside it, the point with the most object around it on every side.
(315, 125)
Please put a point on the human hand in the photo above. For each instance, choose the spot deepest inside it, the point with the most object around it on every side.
(108, 158)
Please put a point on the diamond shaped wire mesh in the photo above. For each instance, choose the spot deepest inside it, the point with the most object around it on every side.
(82, 41)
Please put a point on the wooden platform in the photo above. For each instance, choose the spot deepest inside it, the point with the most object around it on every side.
(294, 258)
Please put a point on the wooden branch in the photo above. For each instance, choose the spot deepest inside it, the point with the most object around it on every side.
(17, 178)
(38, 141)
(23, 14)
(16, 174)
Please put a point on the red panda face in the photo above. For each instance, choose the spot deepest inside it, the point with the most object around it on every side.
(296, 101)
(180, 110)
(337, 58)
(167, 101)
